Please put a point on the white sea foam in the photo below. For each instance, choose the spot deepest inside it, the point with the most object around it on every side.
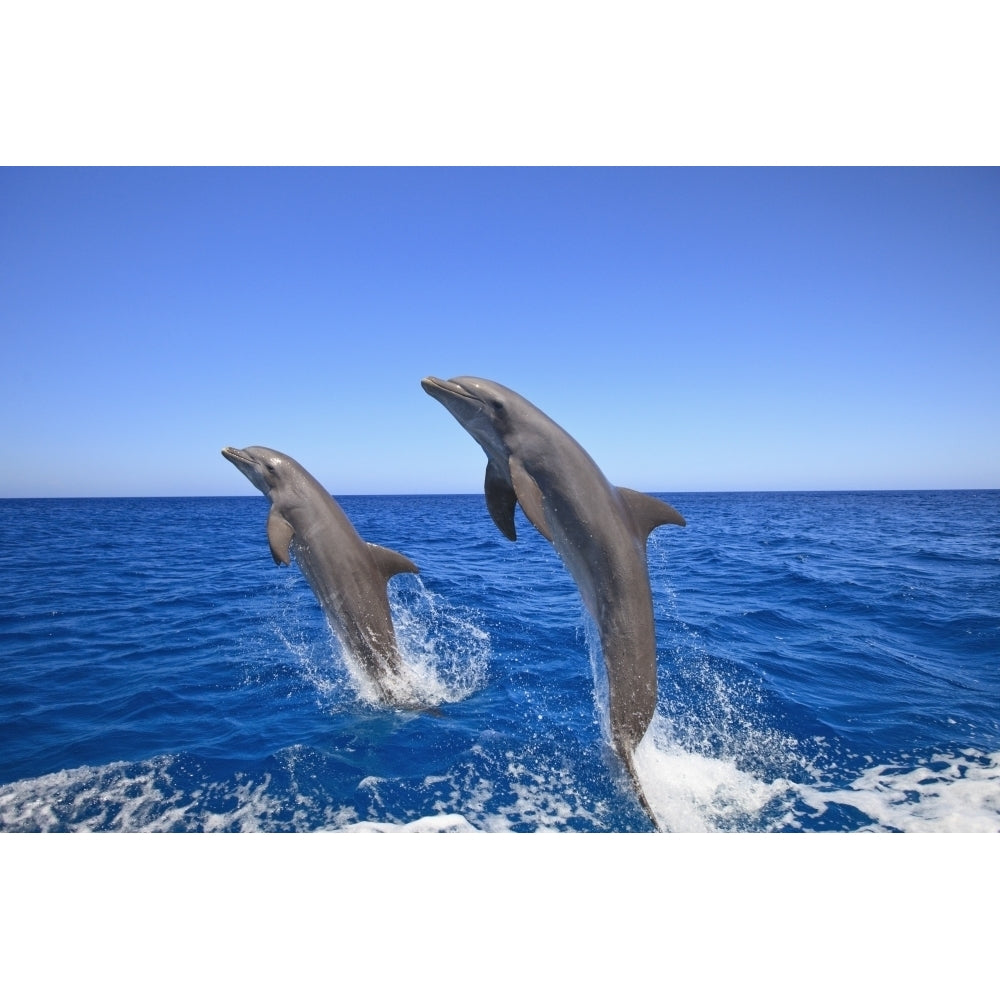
(129, 797)
(689, 791)
(692, 792)
(451, 823)
(948, 793)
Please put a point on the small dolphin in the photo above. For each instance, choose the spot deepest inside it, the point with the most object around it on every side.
(599, 531)
(347, 574)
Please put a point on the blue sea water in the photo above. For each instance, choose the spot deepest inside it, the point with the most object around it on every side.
(827, 662)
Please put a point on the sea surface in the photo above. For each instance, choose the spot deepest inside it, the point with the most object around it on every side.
(827, 662)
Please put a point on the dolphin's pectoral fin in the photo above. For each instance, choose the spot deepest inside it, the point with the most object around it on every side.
(529, 496)
(390, 562)
(647, 512)
(279, 537)
(500, 500)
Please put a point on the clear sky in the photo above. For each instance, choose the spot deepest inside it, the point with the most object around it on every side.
(694, 329)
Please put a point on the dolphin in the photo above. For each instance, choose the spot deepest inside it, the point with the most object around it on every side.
(599, 531)
(347, 574)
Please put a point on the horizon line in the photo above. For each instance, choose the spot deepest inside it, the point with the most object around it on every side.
(479, 493)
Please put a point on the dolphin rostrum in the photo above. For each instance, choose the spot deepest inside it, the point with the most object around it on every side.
(347, 574)
(599, 531)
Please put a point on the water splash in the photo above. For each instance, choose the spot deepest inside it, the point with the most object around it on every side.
(693, 793)
(708, 762)
(445, 653)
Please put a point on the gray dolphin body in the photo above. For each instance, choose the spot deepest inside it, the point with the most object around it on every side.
(347, 574)
(599, 531)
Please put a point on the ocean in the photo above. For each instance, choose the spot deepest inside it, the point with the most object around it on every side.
(828, 662)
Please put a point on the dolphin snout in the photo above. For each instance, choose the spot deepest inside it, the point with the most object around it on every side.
(432, 385)
(443, 389)
(244, 462)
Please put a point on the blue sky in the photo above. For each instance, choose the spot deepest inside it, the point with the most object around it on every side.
(694, 329)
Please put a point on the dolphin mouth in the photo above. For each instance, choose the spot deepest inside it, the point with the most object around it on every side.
(442, 389)
(238, 457)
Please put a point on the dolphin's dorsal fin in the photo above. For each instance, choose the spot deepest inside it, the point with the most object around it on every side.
(529, 496)
(390, 562)
(500, 500)
(279, 536)
(647, 512)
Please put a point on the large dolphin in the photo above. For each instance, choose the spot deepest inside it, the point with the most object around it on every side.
(347, 574)
(599, 531)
